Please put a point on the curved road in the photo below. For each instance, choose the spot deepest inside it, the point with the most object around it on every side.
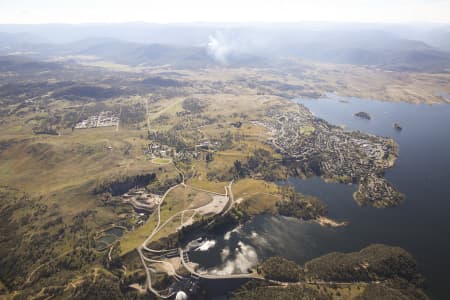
(159, 226)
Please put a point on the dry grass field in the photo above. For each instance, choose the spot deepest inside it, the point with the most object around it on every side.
(59, 172)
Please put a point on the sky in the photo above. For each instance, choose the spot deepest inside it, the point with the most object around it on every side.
(183, 11)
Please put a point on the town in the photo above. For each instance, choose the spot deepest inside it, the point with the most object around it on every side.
(335, 154)
(104, 119)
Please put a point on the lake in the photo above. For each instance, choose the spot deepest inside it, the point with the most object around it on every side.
(421, 224)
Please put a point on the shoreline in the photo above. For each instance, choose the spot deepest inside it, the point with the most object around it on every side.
(327, 222)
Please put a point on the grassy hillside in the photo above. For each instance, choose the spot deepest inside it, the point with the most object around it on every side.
(375, 272)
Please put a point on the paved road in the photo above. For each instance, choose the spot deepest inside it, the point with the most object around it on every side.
(155, 230)
(229, 193)
(159, 226)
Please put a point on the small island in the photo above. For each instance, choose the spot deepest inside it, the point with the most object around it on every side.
(363, 115)
(397, 126)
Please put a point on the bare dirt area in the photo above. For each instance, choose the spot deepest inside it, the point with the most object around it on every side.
(214, 207)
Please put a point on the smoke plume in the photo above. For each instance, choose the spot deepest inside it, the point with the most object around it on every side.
(219, 47)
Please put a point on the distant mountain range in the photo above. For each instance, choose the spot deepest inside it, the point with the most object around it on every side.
(194, 45)
(368, 47)
(151, 54)
(23, 64)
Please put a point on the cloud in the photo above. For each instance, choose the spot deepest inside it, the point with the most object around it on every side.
(224, 253)
(237, 230)
(246, 258)
(260, 241)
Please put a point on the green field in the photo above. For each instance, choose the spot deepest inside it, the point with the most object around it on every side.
(161, 161)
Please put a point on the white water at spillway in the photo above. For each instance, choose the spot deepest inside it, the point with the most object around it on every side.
(206, 245)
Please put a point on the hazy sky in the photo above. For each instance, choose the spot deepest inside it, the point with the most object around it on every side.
(169, 11)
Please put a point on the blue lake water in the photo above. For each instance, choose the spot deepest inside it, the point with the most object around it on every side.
(421, 224)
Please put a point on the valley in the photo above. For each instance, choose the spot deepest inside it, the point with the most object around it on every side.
(107, 173)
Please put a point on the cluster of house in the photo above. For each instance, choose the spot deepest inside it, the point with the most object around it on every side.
(103, 119)
(156, 149)
(333, 151)
(374, 189)
(341, 152)
(200, 151)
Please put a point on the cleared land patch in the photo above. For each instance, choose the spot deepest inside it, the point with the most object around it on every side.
(256, 196)
(161, 161)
